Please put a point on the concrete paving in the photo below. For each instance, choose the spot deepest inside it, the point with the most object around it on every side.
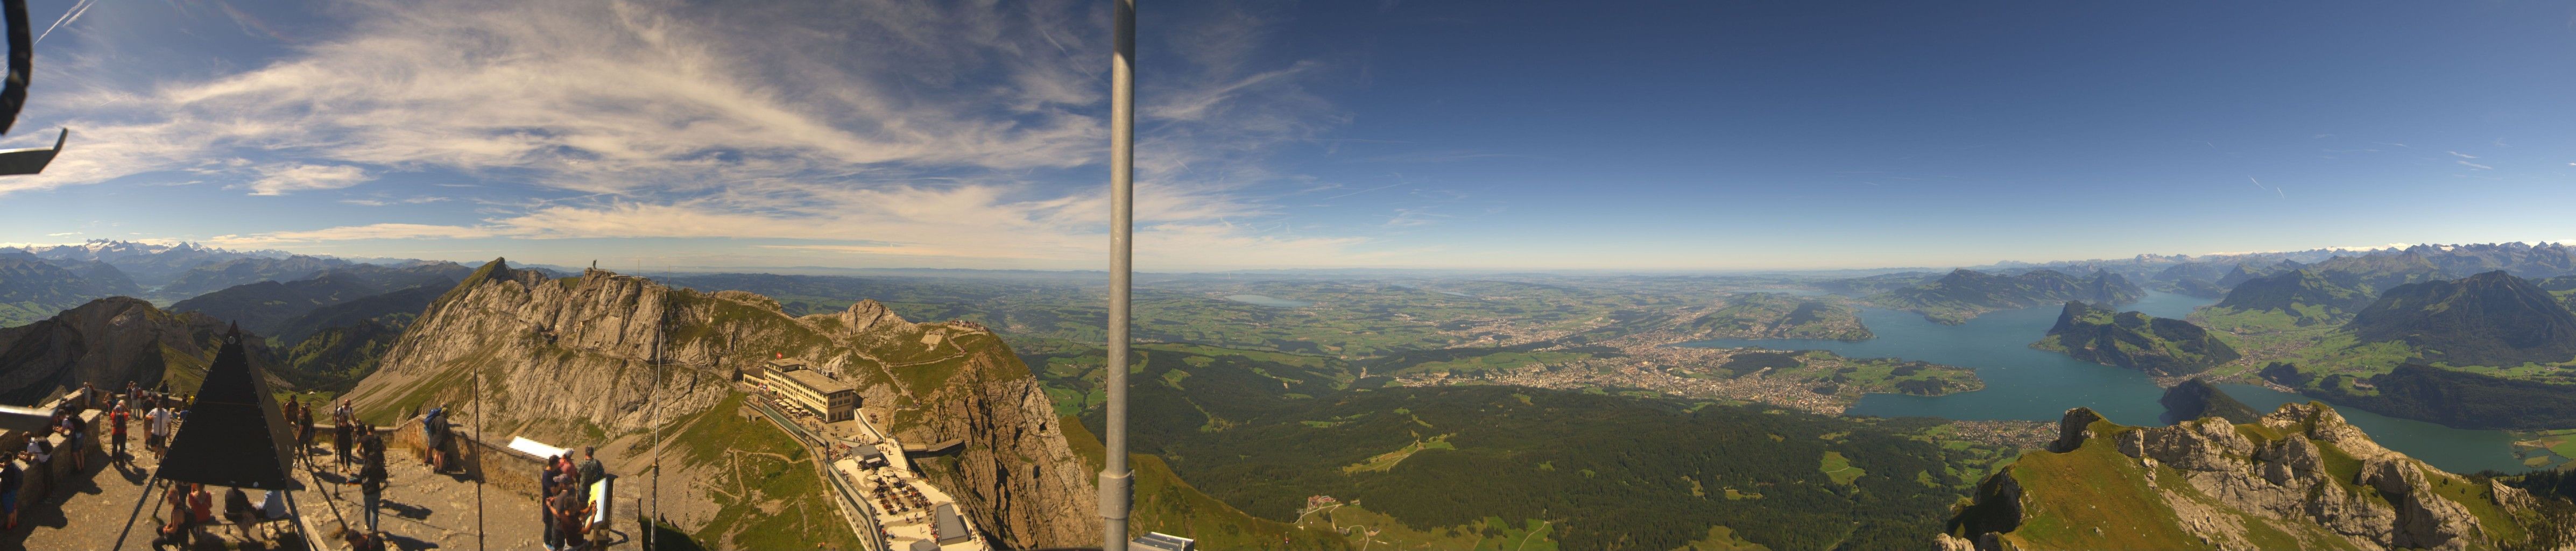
(422, 510)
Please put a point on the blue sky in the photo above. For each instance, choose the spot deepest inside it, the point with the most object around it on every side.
(1666, 135)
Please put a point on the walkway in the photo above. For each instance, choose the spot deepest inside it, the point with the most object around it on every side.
(421, 510)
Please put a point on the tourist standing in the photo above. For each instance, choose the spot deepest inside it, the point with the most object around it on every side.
(371, 479)
(591, 471)
(570, 512)
(75, 434)
(433, 428)
(158, 427)
(304, 429)
(116, 433)
(546, 502)
(11, 478)
(341, 429)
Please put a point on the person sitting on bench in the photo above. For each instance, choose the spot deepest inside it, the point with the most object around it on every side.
(176, 529)
(238, 510)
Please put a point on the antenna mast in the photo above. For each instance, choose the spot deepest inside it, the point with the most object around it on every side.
(1115, 493)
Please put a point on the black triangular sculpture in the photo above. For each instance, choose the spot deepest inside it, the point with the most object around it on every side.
(234, 435)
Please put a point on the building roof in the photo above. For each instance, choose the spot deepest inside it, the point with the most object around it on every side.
(817, 382)
(1159, 541)
(235, 435)
(951, 528)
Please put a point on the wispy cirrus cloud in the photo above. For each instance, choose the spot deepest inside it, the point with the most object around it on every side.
(279, 179)
(891, 128)
(2474, 165)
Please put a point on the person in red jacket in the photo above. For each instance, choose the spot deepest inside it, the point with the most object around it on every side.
(116, 436)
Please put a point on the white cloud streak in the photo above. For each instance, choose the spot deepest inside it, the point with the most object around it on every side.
(279, 179)
(874, 127)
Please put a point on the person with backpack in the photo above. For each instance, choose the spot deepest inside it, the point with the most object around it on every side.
(433, 428)
(116, 433)
(75, 433)
(590, 469)
(371, 480)
(303, 429)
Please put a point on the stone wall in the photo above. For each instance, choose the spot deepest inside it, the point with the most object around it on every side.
(495, 464)
(13, 441)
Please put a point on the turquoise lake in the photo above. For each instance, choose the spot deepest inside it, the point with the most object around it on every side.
(2027, 384)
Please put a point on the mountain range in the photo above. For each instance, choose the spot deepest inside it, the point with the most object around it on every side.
(1964, 293)
(1779, 316)
(33, 289)
(2493, 319)
(106, 343)
(268, 306)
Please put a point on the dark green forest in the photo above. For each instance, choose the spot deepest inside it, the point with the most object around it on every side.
(1613, 472)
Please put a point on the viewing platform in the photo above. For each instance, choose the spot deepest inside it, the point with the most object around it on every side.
(89, 508)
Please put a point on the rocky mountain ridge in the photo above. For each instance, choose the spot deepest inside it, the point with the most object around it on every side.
(572, 360)
(2298, 478)
(107, 342)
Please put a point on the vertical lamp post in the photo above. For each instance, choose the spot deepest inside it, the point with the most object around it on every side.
(1114, 477)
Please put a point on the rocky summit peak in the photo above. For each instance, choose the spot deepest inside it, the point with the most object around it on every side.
(2297, 478)
(604, 357)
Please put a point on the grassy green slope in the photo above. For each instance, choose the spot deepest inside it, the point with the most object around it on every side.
(1165, 503)
(1452, 467)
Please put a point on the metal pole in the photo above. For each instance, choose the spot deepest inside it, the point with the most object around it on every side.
(654, 401)
(1115, 492)
(479, 473)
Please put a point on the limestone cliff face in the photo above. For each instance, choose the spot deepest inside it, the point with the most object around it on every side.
(107, 342)
(573, 361)
(2299, 477)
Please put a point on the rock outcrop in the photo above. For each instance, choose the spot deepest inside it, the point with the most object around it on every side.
(2298, 478)
(573, 360)
(107, 342)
